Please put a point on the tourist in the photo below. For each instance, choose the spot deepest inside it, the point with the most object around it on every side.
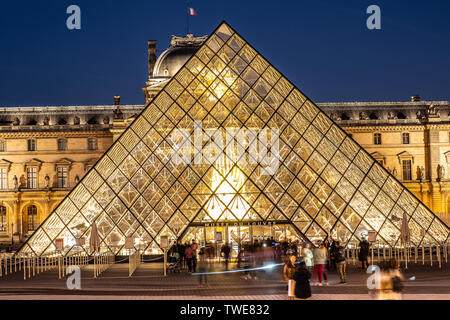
(332, 256)
(188, 254)
(302, 288)
(391, 285)
(340, 261)
(364, 253)
(309, 257)
(225, 250)
(181, 249)
(320, 259)
(289, 269)
(202, 280)
(194, 248)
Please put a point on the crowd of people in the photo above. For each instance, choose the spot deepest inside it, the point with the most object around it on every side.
(306, 264)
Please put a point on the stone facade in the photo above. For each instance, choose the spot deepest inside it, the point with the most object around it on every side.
(411, 139)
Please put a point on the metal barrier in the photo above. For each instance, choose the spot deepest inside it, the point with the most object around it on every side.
(134, 261)
(102, 262)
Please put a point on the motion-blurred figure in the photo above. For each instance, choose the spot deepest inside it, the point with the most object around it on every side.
(391, 286)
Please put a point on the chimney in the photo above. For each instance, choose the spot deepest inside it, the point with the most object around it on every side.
(116, 100)
(151, 57)
(415, 98)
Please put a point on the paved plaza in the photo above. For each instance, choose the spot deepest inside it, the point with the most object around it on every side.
(421, 283)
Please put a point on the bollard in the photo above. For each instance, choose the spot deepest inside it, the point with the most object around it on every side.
(431, 255)
(415, 254)
(438, 252)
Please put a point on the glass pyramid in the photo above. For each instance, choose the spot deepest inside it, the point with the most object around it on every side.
(325, 184)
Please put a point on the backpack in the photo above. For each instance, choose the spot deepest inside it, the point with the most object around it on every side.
(397, 284)
(340, 254)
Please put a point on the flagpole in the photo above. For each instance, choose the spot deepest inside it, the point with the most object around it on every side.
(187, 17)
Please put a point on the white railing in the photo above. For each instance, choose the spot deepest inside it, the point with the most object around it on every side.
(134, 261)
(102, 262)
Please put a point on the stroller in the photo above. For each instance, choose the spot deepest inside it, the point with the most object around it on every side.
(174, 263)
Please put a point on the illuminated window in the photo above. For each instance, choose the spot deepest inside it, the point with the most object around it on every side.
(3, 219)
(406, 166)
(92, 144)
(31, 145)
(32, 178)
(377, 138)
(32, 217)
(62, 144)
(62, 177)
(3, 179)
(405, 138)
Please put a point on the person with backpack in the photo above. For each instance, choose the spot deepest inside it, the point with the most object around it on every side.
(339, 259)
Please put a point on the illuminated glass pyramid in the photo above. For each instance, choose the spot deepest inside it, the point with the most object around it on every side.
(324, 183)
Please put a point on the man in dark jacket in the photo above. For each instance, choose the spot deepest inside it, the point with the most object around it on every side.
(364, 253)
(339, 258)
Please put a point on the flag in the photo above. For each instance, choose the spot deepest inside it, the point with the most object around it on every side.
(192, 12)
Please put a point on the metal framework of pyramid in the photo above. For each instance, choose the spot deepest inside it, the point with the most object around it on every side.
(326, 184)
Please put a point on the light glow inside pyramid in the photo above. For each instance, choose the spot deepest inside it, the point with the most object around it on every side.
(226, 204)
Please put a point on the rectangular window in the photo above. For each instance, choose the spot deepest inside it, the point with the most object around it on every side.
(3, 179)
(405, 138)
(3, 219)
(31, 145)
(92, 144)
(2, 145)
(62, 177)
(377, 138)
(62, 144)
(406, 165)
(31, 178)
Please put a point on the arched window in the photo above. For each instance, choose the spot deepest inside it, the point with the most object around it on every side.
(32, 218)
(92, 120)
(3, 219)
(62, 121)
(401, 115)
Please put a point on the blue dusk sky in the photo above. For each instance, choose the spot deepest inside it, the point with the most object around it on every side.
(322, 46)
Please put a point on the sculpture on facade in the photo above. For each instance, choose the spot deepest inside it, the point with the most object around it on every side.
(440, 172)
(363, 116)
(420, 115)
(433, 111)
(47, 181)
(16, 122)
(16, 182)
(391, 115)
(105, 120)
(77, 179)
(46, 121)
(394, 172)
(76, 120)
